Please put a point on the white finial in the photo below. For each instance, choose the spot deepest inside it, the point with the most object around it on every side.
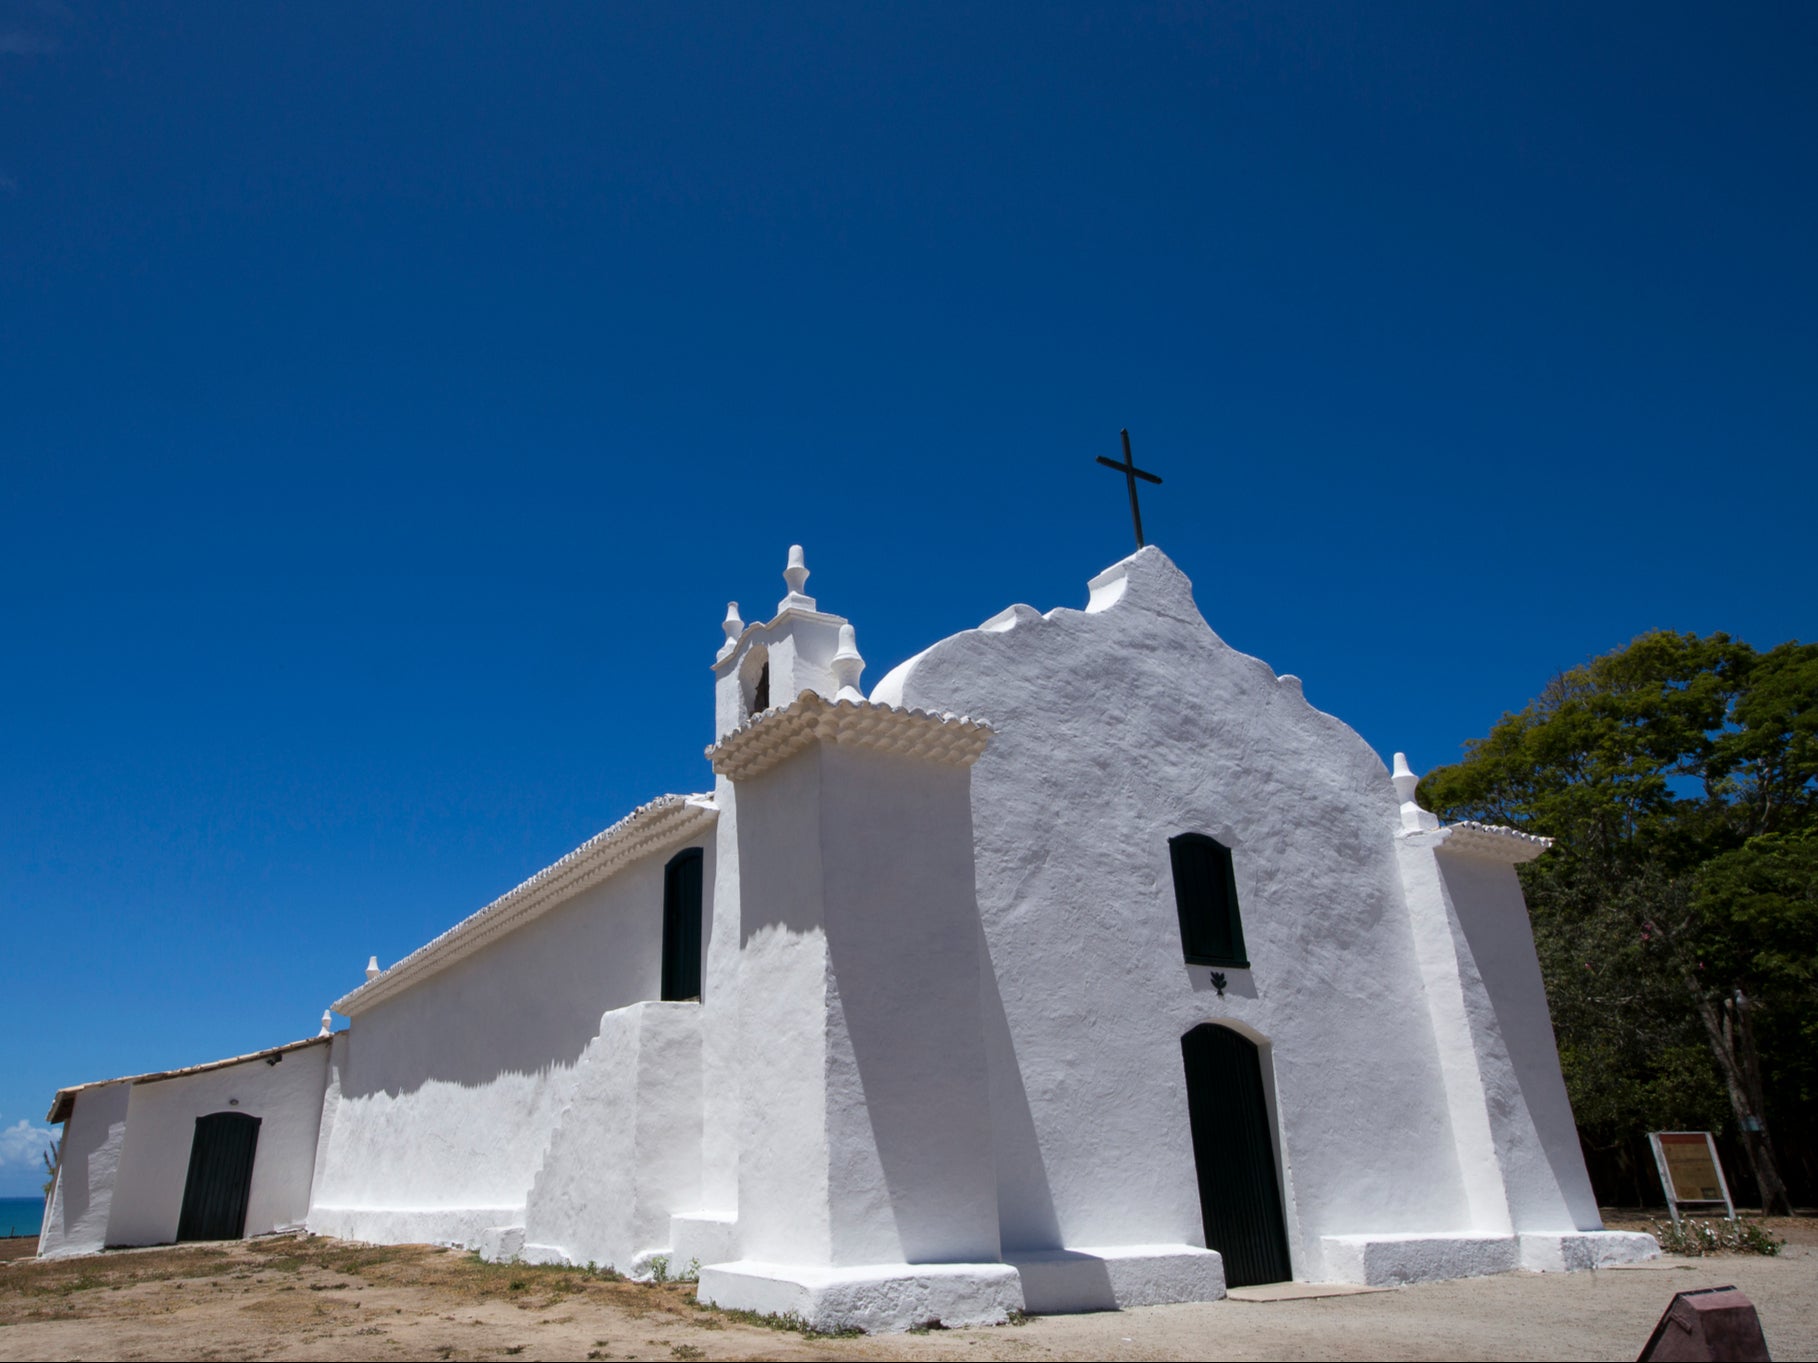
(1413, 817)
(733, 625)
(847, 665)
(372, 967)
(796, 575)
(1404, 778)
(328, 1022)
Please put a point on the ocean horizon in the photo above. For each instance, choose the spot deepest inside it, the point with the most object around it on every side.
(21, 1215)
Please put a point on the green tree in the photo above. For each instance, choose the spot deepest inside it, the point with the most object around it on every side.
(1677, 916)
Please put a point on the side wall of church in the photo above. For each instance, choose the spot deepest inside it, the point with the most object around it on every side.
(161, 1126)
(449, 1092)
(1118, 728)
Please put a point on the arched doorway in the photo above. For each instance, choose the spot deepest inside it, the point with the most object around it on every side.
(220, 1177)
(1239, 1195)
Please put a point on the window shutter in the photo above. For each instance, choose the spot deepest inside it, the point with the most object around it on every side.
(1205, 894)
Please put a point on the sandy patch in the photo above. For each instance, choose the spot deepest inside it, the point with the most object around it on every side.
(293, 1298)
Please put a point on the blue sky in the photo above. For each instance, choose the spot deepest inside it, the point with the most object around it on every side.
(391, 398)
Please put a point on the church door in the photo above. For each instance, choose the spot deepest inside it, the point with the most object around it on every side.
(1239, 1197)
(220, 1177)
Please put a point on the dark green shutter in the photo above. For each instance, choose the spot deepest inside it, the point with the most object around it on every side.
(682, 926)
(220, 1177)
(1239, 1196)
(1205, 895)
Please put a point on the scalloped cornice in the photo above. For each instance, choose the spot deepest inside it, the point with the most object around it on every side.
(1493, 840)
(767, 739)
(655, 827)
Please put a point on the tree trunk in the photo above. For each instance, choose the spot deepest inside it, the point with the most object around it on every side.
(1733, 1043)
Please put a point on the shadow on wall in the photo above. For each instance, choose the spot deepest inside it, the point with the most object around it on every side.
(528, 1005)
(1026, 1216)
(73, 1192)
(902, 1076)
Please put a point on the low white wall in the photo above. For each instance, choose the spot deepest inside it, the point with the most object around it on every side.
(450, 1091)
(626, 1154)
(161, 1126)
(1117, 728)
(76, 1216)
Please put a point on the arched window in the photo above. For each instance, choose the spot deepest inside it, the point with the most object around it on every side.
(1205, 893)
(682, 926)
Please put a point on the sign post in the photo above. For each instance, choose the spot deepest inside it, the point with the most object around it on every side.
(1690, 1171)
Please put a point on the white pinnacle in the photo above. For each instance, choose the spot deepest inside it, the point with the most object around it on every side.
(1413, 817)
(796, 575)
(847, 665)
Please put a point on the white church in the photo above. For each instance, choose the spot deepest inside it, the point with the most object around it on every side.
(1081, 964)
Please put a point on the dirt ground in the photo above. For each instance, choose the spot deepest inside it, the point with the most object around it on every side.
(284, 1297)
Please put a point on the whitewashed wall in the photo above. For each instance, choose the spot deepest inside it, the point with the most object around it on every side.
(1531, 1121)
(76, 1215)
(449, 1092)
(866, 1127)
(1118, 727)
(626, 1152)
(161, 1126)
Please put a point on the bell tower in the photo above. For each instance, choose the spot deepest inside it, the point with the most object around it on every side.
(766, 666)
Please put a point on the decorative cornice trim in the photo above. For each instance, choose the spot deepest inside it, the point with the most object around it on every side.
(764, 740)
(763, 631)
(1494, 841)
(648, 829)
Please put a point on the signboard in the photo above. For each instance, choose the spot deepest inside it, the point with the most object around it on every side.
(1690, 1171)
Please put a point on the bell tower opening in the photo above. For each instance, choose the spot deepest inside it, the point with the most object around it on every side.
(754, 680)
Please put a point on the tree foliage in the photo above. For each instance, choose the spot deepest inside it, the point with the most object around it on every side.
(1677, 916)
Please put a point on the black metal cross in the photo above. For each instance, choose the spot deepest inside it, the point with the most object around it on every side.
(1131, 474)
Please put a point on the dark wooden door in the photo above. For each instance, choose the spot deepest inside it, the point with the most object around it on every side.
(220, 1177)
(1239, 1196)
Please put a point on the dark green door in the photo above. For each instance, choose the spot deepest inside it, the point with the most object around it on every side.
(220, 1177)
(1239, 1197)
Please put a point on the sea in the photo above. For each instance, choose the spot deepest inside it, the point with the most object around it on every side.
(21, 1215)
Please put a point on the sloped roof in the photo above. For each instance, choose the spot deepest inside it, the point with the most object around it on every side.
(66, 1097)
(653, 827)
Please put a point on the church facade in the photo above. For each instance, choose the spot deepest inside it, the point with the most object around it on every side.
(1080, 964)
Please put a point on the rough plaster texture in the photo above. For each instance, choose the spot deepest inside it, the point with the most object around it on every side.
(75, 1219)
(1415, 1089)
(865, 1136)
(450, 1091)
(627, 1148)
(161, 1125)
(1109, 1278)
(1392, 1260)
(1547, 1252)
(1119, 727)
(873, 1298)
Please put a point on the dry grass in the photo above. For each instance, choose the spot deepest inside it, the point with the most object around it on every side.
(293, 1296)
(299, 1298)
